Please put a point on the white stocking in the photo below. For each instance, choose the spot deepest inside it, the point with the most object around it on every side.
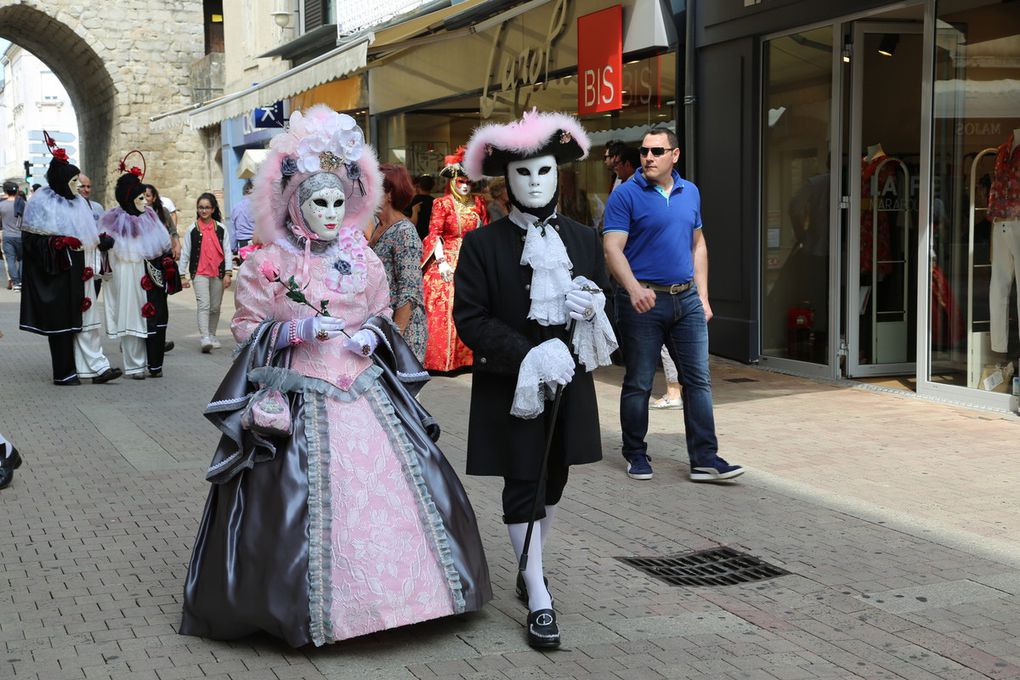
(547, 522)
(538, 594)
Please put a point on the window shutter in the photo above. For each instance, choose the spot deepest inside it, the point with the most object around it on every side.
(314, 14)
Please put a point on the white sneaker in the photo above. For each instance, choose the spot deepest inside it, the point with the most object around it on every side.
(215, 343)
(206, 345)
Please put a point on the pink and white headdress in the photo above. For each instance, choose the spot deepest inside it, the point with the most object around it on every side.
(319, 140)
(495, 145)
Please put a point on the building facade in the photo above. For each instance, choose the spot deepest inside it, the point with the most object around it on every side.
(846, 152)
(33, 100)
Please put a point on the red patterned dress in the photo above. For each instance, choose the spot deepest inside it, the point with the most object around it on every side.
(884, 242)
(451, 219)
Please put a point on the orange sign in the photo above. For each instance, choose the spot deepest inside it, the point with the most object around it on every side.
(600, 61)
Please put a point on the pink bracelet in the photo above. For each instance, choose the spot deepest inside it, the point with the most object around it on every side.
(292, 336)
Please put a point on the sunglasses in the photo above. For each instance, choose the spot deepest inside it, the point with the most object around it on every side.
(654, 150)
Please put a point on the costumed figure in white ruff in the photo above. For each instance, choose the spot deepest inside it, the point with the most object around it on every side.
(522, 281)
(332, 513)
(61, 258)
(144, 273)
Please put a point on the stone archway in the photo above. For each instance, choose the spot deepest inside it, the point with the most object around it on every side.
(119, 74)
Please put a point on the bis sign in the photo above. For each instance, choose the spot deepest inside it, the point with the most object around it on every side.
(600, 61)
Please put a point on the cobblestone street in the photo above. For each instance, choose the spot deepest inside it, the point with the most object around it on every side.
(895, 516)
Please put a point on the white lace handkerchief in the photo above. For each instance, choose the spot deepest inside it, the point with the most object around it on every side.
(542, 364)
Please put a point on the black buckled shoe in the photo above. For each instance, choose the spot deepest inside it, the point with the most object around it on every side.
(109, 374)
(543, 633)
(168, 346)
(68, 383)
(7, 467)
(522, 588)
(156, 374)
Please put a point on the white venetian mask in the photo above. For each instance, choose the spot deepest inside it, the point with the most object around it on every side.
(323, 212)
(72, 184)
(140, 203)
(533, 181)
(462, 186)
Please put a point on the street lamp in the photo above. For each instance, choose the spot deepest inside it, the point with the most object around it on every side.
(282, 18)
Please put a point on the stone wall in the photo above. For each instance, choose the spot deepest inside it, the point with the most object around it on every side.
(121, 64)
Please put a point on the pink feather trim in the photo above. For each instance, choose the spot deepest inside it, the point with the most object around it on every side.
(270, 202)
(524, 136)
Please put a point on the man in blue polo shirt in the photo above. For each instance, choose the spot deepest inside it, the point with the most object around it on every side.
(657, 254)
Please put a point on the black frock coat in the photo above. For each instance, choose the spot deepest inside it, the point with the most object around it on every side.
(490, 308)
(52, 289)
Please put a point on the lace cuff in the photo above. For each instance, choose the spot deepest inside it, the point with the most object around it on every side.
(594, 339)
(545, 363)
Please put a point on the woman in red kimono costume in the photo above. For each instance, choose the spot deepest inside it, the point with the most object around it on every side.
(453, 215)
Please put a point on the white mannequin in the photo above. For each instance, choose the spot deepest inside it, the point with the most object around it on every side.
(324, 212)
(1005, 257)
(533, 181)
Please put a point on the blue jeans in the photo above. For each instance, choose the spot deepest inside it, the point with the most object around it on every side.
(678, 322)
(12, 255)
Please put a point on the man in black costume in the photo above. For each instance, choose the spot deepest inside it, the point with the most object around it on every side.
(520, 283)
(58, 229)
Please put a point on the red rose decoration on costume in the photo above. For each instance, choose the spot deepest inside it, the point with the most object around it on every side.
(60, 154)
(148, 310)
(136, 171)
(147, 284)
(58, 243)
(86, 304)
(72, 243)
(87, 273)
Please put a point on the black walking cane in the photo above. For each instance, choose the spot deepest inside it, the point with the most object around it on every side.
(543, 471)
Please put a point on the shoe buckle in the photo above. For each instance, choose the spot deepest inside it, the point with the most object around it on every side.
(544, 620)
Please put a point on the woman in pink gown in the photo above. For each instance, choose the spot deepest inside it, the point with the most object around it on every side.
(354, 522)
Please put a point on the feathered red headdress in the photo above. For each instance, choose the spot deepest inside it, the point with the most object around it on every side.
(58, 153)
(134, 169)
(453, 167)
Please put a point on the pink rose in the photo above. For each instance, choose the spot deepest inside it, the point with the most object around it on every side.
(269, 270)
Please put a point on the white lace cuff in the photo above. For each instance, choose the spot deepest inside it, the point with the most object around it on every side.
(594, 340)
(543, 364)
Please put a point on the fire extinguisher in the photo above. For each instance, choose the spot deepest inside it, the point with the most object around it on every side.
(800, 321)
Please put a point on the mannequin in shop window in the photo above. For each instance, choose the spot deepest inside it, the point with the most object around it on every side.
(1004, 213)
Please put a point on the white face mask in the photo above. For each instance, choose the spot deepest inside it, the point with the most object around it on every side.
(462, 187)
(140, 203)
(323, 212)
(533, 181)
(73, 185)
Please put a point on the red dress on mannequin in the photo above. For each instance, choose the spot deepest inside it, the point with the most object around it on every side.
(451, 219)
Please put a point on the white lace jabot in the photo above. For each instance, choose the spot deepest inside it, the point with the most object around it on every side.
(551, 268)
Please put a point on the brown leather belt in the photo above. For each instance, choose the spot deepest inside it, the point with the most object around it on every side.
(674, 289)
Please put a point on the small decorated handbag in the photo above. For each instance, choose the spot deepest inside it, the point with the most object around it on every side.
(267, 413)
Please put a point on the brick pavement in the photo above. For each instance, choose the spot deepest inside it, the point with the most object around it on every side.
(893, 514)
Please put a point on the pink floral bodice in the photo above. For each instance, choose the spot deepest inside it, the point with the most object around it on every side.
(257, 299)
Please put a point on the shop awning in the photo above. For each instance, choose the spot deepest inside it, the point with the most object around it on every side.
(251, 159)
(336, 63)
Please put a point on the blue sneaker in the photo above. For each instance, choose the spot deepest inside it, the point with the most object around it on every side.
(718, 472)
(639, 466)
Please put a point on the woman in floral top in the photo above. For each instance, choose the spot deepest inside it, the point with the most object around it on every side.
(395, 240)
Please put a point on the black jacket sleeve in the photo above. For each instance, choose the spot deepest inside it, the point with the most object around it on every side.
(498, 347)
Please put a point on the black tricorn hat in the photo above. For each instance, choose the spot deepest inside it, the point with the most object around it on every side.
(492, 147)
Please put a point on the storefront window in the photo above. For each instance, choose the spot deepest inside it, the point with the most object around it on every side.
(795, 196)
(975, 211)
(420, 139)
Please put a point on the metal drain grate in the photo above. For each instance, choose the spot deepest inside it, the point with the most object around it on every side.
(740, 380)
(715, 567)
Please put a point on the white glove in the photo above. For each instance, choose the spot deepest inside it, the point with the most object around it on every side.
(446, 271)
(580, 305)
(363, 342)
(319, 328)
